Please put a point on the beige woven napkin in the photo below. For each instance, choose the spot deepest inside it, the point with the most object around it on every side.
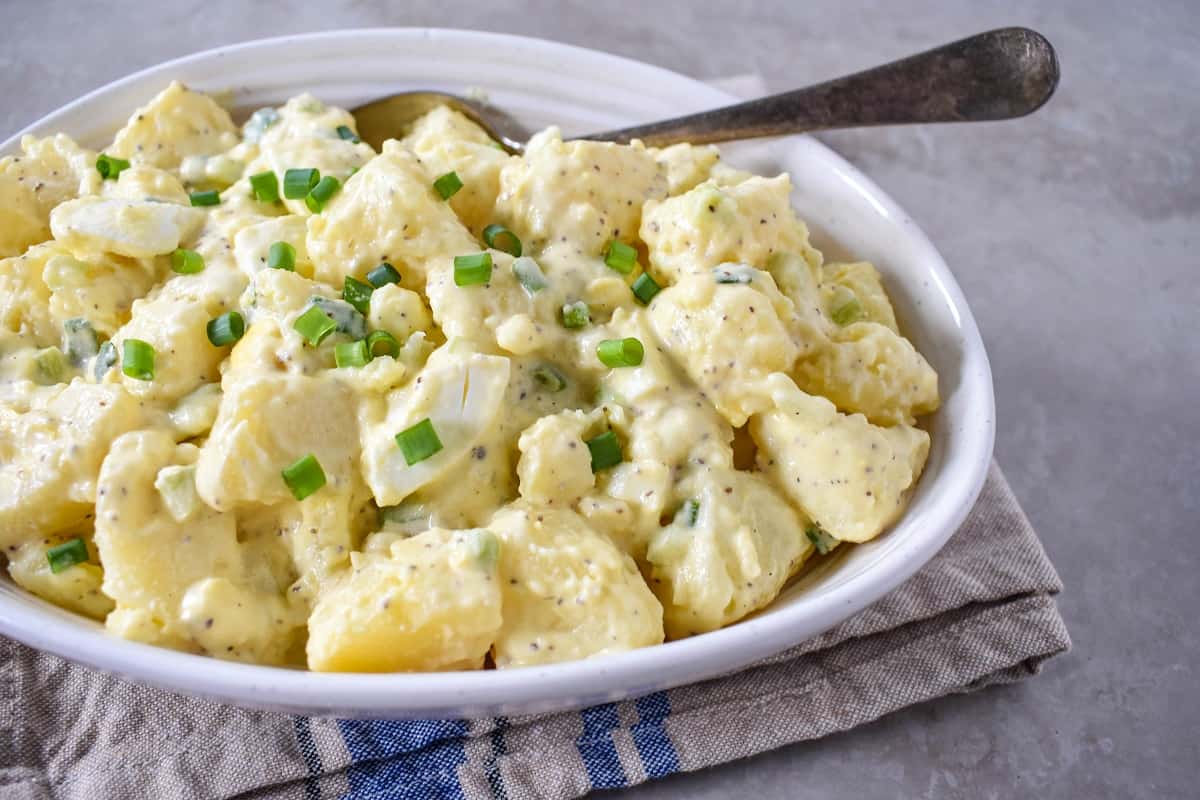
(981, 612)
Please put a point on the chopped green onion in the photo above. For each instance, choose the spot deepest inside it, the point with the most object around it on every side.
(51, 365)
(357, 294)
(304, 476)
(620, 257)
(351, 354)
(529, 274)
(576, 315)
(498, 237)
(282, 255)
(67, 555)
(487, 549)
(314, 325)
(80, 341)
(391, 347)
(321, 193)
(626, 352)
(418, 442)
(688, 512)
(265, 187)
(605, 450)
(106, 359)
(550, 378)
(820, 539)
(847, 312)
(472, 270)
(187, 262)
(226, 329)
(298, 183)
(382, 275)
(346, 316)
(209, 198)
(733, 275)
(447, 185)
(110, 167)
(346, 133)
(644, 288)
(137, 359)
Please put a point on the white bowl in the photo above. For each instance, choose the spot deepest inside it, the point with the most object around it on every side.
(543, 83)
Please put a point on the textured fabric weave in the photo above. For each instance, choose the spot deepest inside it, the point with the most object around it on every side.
(981, 612)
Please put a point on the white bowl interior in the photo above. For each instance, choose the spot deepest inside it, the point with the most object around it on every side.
(545, 83)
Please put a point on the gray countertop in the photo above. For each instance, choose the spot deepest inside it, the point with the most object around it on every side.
(1075, 234)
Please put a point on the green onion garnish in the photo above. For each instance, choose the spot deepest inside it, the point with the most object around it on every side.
(265, 187)
(66, 555)
(110, 167)
(847, 312)
(351, 354)
(137, 359)
(644, 288)
(530, 275)
(346, 133)
(576, 315)
(321, 193)
(304, 477)
(620, 257)
(282, 255)
(357, 294)
(51, 364)
(605, 450)
(820, 539)
(106, 359)
(80, 341)
(498, 237)
(418, 442)
(472, 270)
(447, 185)
(688, 513)
(626, 352)
(314, 325)
(187, 262)
(382, 339)
(226, 329)
(298, 183)
(550, 378)
(382, 275)
(210, 198)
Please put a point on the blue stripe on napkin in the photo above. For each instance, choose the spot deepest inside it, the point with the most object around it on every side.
(394, 760)
(597, 748)
(650, 735)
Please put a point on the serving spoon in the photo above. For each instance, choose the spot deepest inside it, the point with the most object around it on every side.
(1001, 74)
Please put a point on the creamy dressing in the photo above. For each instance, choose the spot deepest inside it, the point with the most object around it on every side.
(438, 472)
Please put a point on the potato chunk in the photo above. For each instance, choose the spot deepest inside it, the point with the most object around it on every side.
(728, 336)
(846, 474)
(727, 555)
(388, 211)
(432, 603)
(176, 123)
(76, 588)
(50, 455)
(602, 200)
(568, 592)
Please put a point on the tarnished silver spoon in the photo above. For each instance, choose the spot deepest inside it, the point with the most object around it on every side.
(1000, 74)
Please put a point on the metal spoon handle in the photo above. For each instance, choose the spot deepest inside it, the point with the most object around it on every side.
(1000, 74)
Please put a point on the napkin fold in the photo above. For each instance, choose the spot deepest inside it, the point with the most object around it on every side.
(981, 612)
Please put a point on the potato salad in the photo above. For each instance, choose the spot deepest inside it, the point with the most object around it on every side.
(269, 395)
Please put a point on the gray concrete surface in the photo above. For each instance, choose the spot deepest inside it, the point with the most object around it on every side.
(1075, 234)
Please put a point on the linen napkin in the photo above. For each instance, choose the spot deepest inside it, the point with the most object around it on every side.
(981, 612)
